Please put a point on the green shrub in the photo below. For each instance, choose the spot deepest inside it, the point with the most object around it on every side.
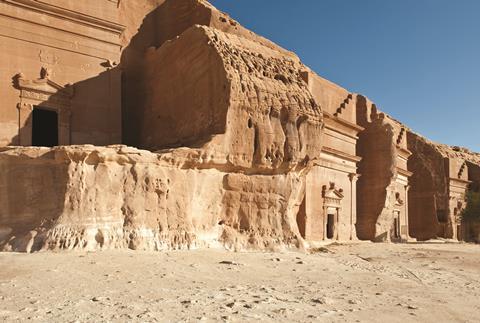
(472, 210)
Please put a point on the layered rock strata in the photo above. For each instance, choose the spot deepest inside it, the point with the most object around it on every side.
(86, 197)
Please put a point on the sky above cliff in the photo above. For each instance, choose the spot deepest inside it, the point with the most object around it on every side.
(418, 60)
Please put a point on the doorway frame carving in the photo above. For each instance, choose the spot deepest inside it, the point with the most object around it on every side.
(332, 200)
(45, 94)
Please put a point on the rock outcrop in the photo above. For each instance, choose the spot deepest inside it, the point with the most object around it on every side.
(242, 124)
(442, 175)
(245, 105)
(383, 185)
(240, 145)
(85, 197)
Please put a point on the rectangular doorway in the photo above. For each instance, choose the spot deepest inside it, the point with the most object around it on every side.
(396, 227)
(330, 226)
(44, 128)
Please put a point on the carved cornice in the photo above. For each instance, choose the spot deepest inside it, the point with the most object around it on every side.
(459, 181)
(66, 14)
(341, 154)
(44, 89)
(42, 85)
(403, 152)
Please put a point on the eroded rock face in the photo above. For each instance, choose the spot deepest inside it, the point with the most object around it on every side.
(247, 148)
(429, 192)
(383, 187)
(244, 104)
(166, 22)
(85, 197)
(442, 175)
(243, 128)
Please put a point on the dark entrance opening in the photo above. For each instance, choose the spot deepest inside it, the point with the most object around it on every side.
(396, 228)
(330, 226)
(44, 128)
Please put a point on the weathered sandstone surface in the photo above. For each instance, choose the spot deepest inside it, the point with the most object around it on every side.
(247, 103)
(85, 197)
(441, 176)
(382, 211)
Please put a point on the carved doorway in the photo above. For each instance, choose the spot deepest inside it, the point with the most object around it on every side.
(43, 99)
(44, 127)
(330, 226)
(396, 233)
(332, 199)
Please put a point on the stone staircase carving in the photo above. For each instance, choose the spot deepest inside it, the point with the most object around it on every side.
(400, 136)
(462, 169)
(344, 105)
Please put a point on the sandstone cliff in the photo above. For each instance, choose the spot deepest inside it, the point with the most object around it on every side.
(243, 104)
(382, 187)
(167, 21)
(243, 124)
(441, 177)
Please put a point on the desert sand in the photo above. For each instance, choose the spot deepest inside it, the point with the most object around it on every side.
(361, 282)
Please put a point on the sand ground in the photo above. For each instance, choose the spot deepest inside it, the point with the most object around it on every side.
(362, 282)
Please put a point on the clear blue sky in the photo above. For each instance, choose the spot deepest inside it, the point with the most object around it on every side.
(419, 60)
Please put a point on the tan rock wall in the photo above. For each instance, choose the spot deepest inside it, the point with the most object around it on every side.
(119, 197)
(251, 97)
(429, 192)
(377, 173)
(332, 98)
(74, 41)
(187, 100)
(167, 21)
(382, 188)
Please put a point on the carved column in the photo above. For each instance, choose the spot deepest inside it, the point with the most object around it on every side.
(407, 188)
(25, 124)
(353, 205)
(324, 223)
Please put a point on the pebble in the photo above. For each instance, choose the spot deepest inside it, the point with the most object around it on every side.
(228, 262)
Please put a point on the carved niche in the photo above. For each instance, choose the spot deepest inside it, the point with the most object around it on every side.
(46, 94)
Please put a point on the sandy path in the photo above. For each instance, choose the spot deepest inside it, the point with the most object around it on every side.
(350, 283)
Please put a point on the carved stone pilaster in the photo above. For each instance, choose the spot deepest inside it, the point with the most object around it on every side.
(25, 124)
(353, 206)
